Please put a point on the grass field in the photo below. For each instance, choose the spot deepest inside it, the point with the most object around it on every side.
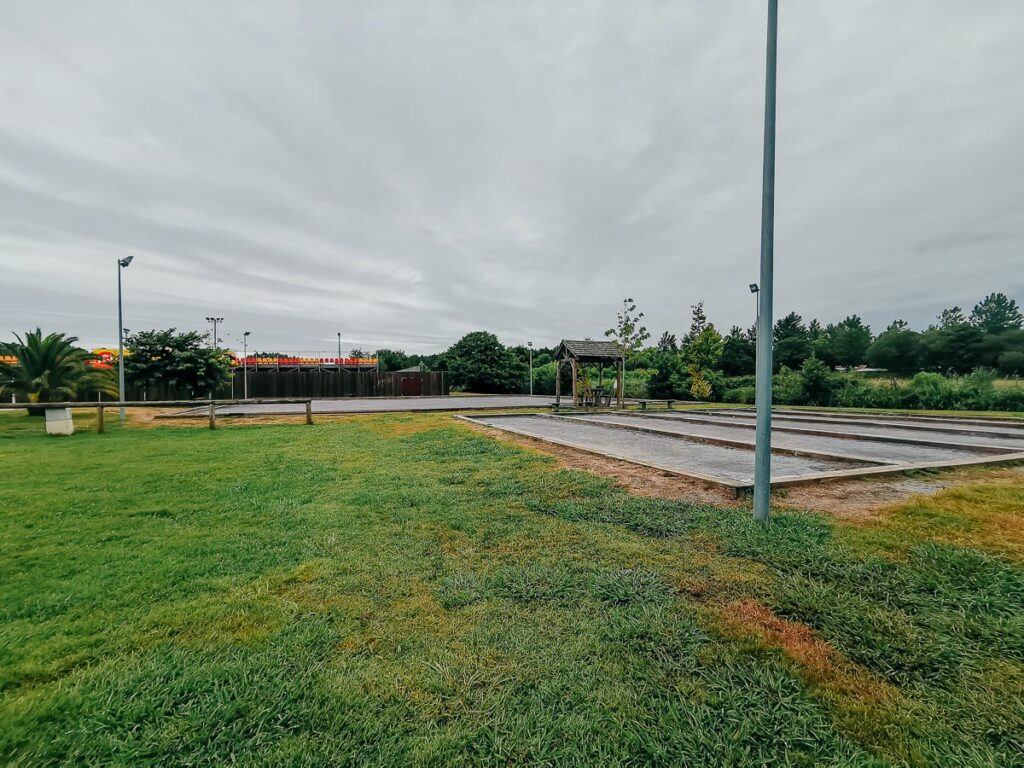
(400, 590)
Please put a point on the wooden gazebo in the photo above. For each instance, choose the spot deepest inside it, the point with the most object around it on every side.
(579, 354)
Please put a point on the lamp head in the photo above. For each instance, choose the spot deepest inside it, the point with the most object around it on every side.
(754, 288)
(529, 344)
(125, 261)
(247, 333)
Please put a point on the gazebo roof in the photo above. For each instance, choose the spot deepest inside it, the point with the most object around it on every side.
(587, 351)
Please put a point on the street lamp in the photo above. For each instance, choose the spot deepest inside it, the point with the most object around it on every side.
(121, 264)
(216, 321)
(757, 302)
(245, 365)
(763, 389)
(339, 349)
(529, 346)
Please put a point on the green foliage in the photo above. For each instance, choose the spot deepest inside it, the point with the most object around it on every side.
(788, 387)
(51, 369)
(628, 332)
(478, 362)
(1012, 363)
(177, 359)
(897, 350)
(700, 388)
(817, 381)
(743, 395)
(955, 347)
(997, 313)
(704, 350)
(791, 342)
(668, 367)
(847, 342)
(393, 360)
(739, 353)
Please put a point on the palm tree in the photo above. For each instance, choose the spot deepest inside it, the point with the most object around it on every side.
(49, 369)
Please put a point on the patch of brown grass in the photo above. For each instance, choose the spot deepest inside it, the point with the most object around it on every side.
(816, 660)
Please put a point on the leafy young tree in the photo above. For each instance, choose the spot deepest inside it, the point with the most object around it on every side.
(705, 350)
(817, 381)
(177, 359)
(996, 313)
(51, 369)
(628, 333)
(478, 362)
(698, 322)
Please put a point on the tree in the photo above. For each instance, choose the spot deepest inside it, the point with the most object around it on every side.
(958, 347)
(51, 369)
(952, 317)
(393, 360)
(898, 350)
(847, 342)
(705, 350)
(791, 342)
(817, 381)
(628, 333)
(357, 353)
(478, 362)
(996, 313)
(898, 325)
(1012, 363)
(668, 343)
(177, 359)
(739, 354)
(698, 322)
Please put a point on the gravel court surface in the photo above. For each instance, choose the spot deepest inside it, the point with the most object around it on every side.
(731, 464)
(917, 433)
(873, 450)
(1014, 431)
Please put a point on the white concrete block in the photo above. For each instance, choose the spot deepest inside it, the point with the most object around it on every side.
(58, 421)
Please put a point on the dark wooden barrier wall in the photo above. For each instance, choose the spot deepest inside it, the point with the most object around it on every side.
(307, 383)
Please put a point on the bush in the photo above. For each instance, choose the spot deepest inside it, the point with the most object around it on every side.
(744, 395)
(788, 387)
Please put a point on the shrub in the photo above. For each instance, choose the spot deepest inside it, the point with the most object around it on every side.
(744, 395)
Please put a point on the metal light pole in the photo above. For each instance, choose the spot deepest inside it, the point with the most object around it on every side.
(216, 321)
(245, 365)
(529, 345)
(121, 264)
(339, 349)
(763, 391)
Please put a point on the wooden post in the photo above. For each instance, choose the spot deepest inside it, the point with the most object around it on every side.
(99, 419)
(558, 384)
(309, 411)
(572, 365)
(213, 415)
(622, 379)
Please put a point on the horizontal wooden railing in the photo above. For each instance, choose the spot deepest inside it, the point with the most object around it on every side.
(212, 405)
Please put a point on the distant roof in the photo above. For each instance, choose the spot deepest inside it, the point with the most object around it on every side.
(589, 351)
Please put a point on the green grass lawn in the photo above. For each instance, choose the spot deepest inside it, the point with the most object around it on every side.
(401, 590)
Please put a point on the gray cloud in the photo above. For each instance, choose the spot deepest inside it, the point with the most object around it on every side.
(405, 172)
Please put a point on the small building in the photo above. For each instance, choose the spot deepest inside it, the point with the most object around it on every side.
(586, 353)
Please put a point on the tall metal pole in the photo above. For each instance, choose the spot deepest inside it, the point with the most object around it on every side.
(763, 391)
(245, 365)
(339, 349)
(120, 341)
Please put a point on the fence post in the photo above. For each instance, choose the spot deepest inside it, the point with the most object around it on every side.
(99, 419)
(309, 411)
(213, 415)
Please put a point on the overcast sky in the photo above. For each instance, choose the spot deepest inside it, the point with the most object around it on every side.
(406, 172)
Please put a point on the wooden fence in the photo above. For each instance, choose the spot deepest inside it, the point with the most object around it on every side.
(301, 383)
